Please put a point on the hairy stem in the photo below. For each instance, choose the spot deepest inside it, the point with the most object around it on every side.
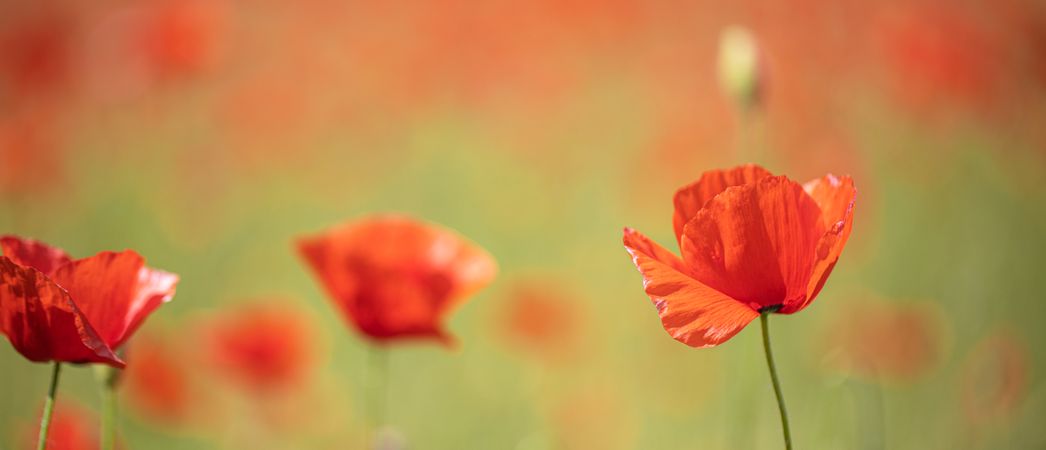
(45, 421)
(764, 321)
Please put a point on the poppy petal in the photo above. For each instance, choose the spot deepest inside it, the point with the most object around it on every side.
(116, 291)
(643, 244)
(692, 312)
(691, 198)
(324, 257)
(42, 322)
(756, 243)
(836, 197)
(33, 253)
(468, 266)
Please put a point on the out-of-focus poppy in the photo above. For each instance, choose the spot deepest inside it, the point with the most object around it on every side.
(36, 51)
(180, 39)
(395, 277)
(72, 428)
(145, 45)
(157, 380)
(79, 311)
(887, 342)
(994, 378)
(263, 348)
(31, 152)
(1024, 23)
(750, 242)
(542, 320)
(939, 55)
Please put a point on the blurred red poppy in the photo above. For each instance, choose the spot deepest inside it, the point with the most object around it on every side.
(36, 51)
(72, 428)
(181, 39)
(888, 342)
(31, 153)
(542, 320)
(79, 311)
(157, 380)
(750, 242)
(995, 377)
(395, 277)
(940, 55)
(263, 348)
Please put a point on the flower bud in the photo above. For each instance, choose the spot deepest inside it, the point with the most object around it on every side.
(740, 66)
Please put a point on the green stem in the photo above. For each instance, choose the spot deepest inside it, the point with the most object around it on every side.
(764, 321)
(45, 421)
(871, 425)
(108, 437)
(375, 392)
(379, 363)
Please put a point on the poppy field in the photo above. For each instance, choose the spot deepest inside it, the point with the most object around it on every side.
(547, 225)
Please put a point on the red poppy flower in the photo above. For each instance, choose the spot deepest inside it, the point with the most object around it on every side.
(750, 242)
(79, 311)
(395, 277)
(262, 347)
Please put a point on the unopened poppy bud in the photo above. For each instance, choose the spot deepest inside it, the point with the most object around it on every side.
(740, 66)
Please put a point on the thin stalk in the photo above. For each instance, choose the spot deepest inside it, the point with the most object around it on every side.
(108, 379)
(764, 321)
(45, 421)
(108, 438)
(376, 392)
(379, 364)
(871, 425)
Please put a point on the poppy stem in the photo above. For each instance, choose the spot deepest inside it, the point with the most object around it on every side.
(764, 321)
(108, 378)
(380, 363)
(45, 421)
(108, 417)
(377, 387)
